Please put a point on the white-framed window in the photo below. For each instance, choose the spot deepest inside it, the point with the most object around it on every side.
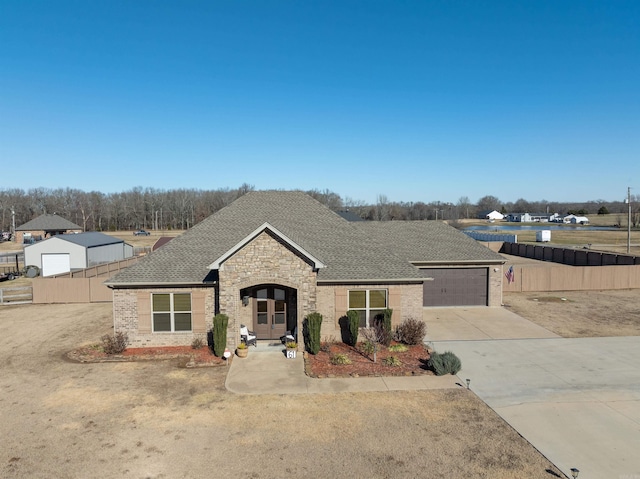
(171, 312)
(368, 303)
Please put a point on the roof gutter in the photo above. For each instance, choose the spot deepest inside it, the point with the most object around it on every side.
(460, 262)
(158, 285)
(370, 281)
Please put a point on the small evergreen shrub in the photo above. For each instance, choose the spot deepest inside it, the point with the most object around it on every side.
(313, 323)
(115, 344)
(197, 343)
(340, 359)
(411, 331)
(354, 326)
(445, 363)
(398, 348)
(384, 321)
(220, 323)
(392, 361)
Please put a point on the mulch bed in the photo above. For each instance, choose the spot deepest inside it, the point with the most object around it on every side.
(186, 355)
(413, 362)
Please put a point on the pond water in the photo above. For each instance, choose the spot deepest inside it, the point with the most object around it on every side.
(538, 227)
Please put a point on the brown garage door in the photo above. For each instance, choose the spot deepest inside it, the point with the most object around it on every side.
(455, 287)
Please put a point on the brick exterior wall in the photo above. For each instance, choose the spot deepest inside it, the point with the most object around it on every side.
(133, 306)
(265, 260)
(495, 285)
(404, 299)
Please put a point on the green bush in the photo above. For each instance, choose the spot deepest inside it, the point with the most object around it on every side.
(115, 344)
(354, 326)
(220, 323)
(313, 323)
(411, 331)
(383, 321)
(445, 363)
(368, 347)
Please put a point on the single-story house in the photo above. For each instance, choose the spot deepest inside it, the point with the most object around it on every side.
(528, 217)
(575, 220)
(45, 226)
(64, 253)
(490, 215)
(272, 257)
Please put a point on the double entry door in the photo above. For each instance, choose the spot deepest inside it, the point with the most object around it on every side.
(270, 312)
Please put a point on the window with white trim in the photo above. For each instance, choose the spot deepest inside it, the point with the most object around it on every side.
(171, 312)
(368, 303)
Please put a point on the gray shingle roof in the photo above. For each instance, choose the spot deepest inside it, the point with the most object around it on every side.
(48, 222)
(350, 251)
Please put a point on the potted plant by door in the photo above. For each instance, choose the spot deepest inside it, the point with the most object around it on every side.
(242, 350)
(292, 347)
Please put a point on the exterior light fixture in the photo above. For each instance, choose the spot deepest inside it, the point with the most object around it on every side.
(468, 382)
(574, 473)
(245, 301)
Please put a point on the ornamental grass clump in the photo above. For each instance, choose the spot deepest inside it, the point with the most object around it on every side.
(340, 359)
(220, 323)
(392, 361)
(445, 363)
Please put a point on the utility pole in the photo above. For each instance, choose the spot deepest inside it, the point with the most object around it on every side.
(13, 225)
(629, 220)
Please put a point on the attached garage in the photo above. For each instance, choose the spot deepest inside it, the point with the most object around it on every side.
(57, 263)
(455, 287)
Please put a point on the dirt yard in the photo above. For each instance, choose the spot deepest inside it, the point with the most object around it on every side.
(60, 418)
(579, 314)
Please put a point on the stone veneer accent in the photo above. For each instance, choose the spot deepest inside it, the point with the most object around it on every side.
(404, 299)
(264, 260)
(133, 306)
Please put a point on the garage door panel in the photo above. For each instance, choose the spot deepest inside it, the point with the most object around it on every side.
(455, 287)
(57, 263)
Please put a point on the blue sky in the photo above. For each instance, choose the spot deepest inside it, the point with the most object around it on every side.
(416, 100)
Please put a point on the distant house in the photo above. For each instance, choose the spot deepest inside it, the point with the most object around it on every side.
(528, 217)
(45, 226)
(64, 253)
(576, 220)
(491, 215)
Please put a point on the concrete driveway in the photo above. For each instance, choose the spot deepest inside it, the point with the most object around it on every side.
(576, 400)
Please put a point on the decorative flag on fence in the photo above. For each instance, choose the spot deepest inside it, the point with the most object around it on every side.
(511, 277)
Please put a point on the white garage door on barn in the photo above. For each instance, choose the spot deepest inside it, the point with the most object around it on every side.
(55, 263)
(455, 287)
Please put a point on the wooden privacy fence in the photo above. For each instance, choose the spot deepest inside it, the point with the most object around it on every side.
(84, 286)
(562, 278)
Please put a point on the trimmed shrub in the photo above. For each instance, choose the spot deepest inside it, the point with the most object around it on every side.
(411, 331)
(312, 325)
(115, 344)
(445, 363)
(220, 323)
(354, 326)
(383, 321)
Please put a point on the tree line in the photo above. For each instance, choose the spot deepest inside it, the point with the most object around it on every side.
(152, 208)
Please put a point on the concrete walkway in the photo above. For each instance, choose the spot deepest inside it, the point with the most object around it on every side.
(266, 370)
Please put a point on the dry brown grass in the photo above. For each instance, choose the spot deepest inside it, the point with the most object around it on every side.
(579, 314)
(153, 419)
